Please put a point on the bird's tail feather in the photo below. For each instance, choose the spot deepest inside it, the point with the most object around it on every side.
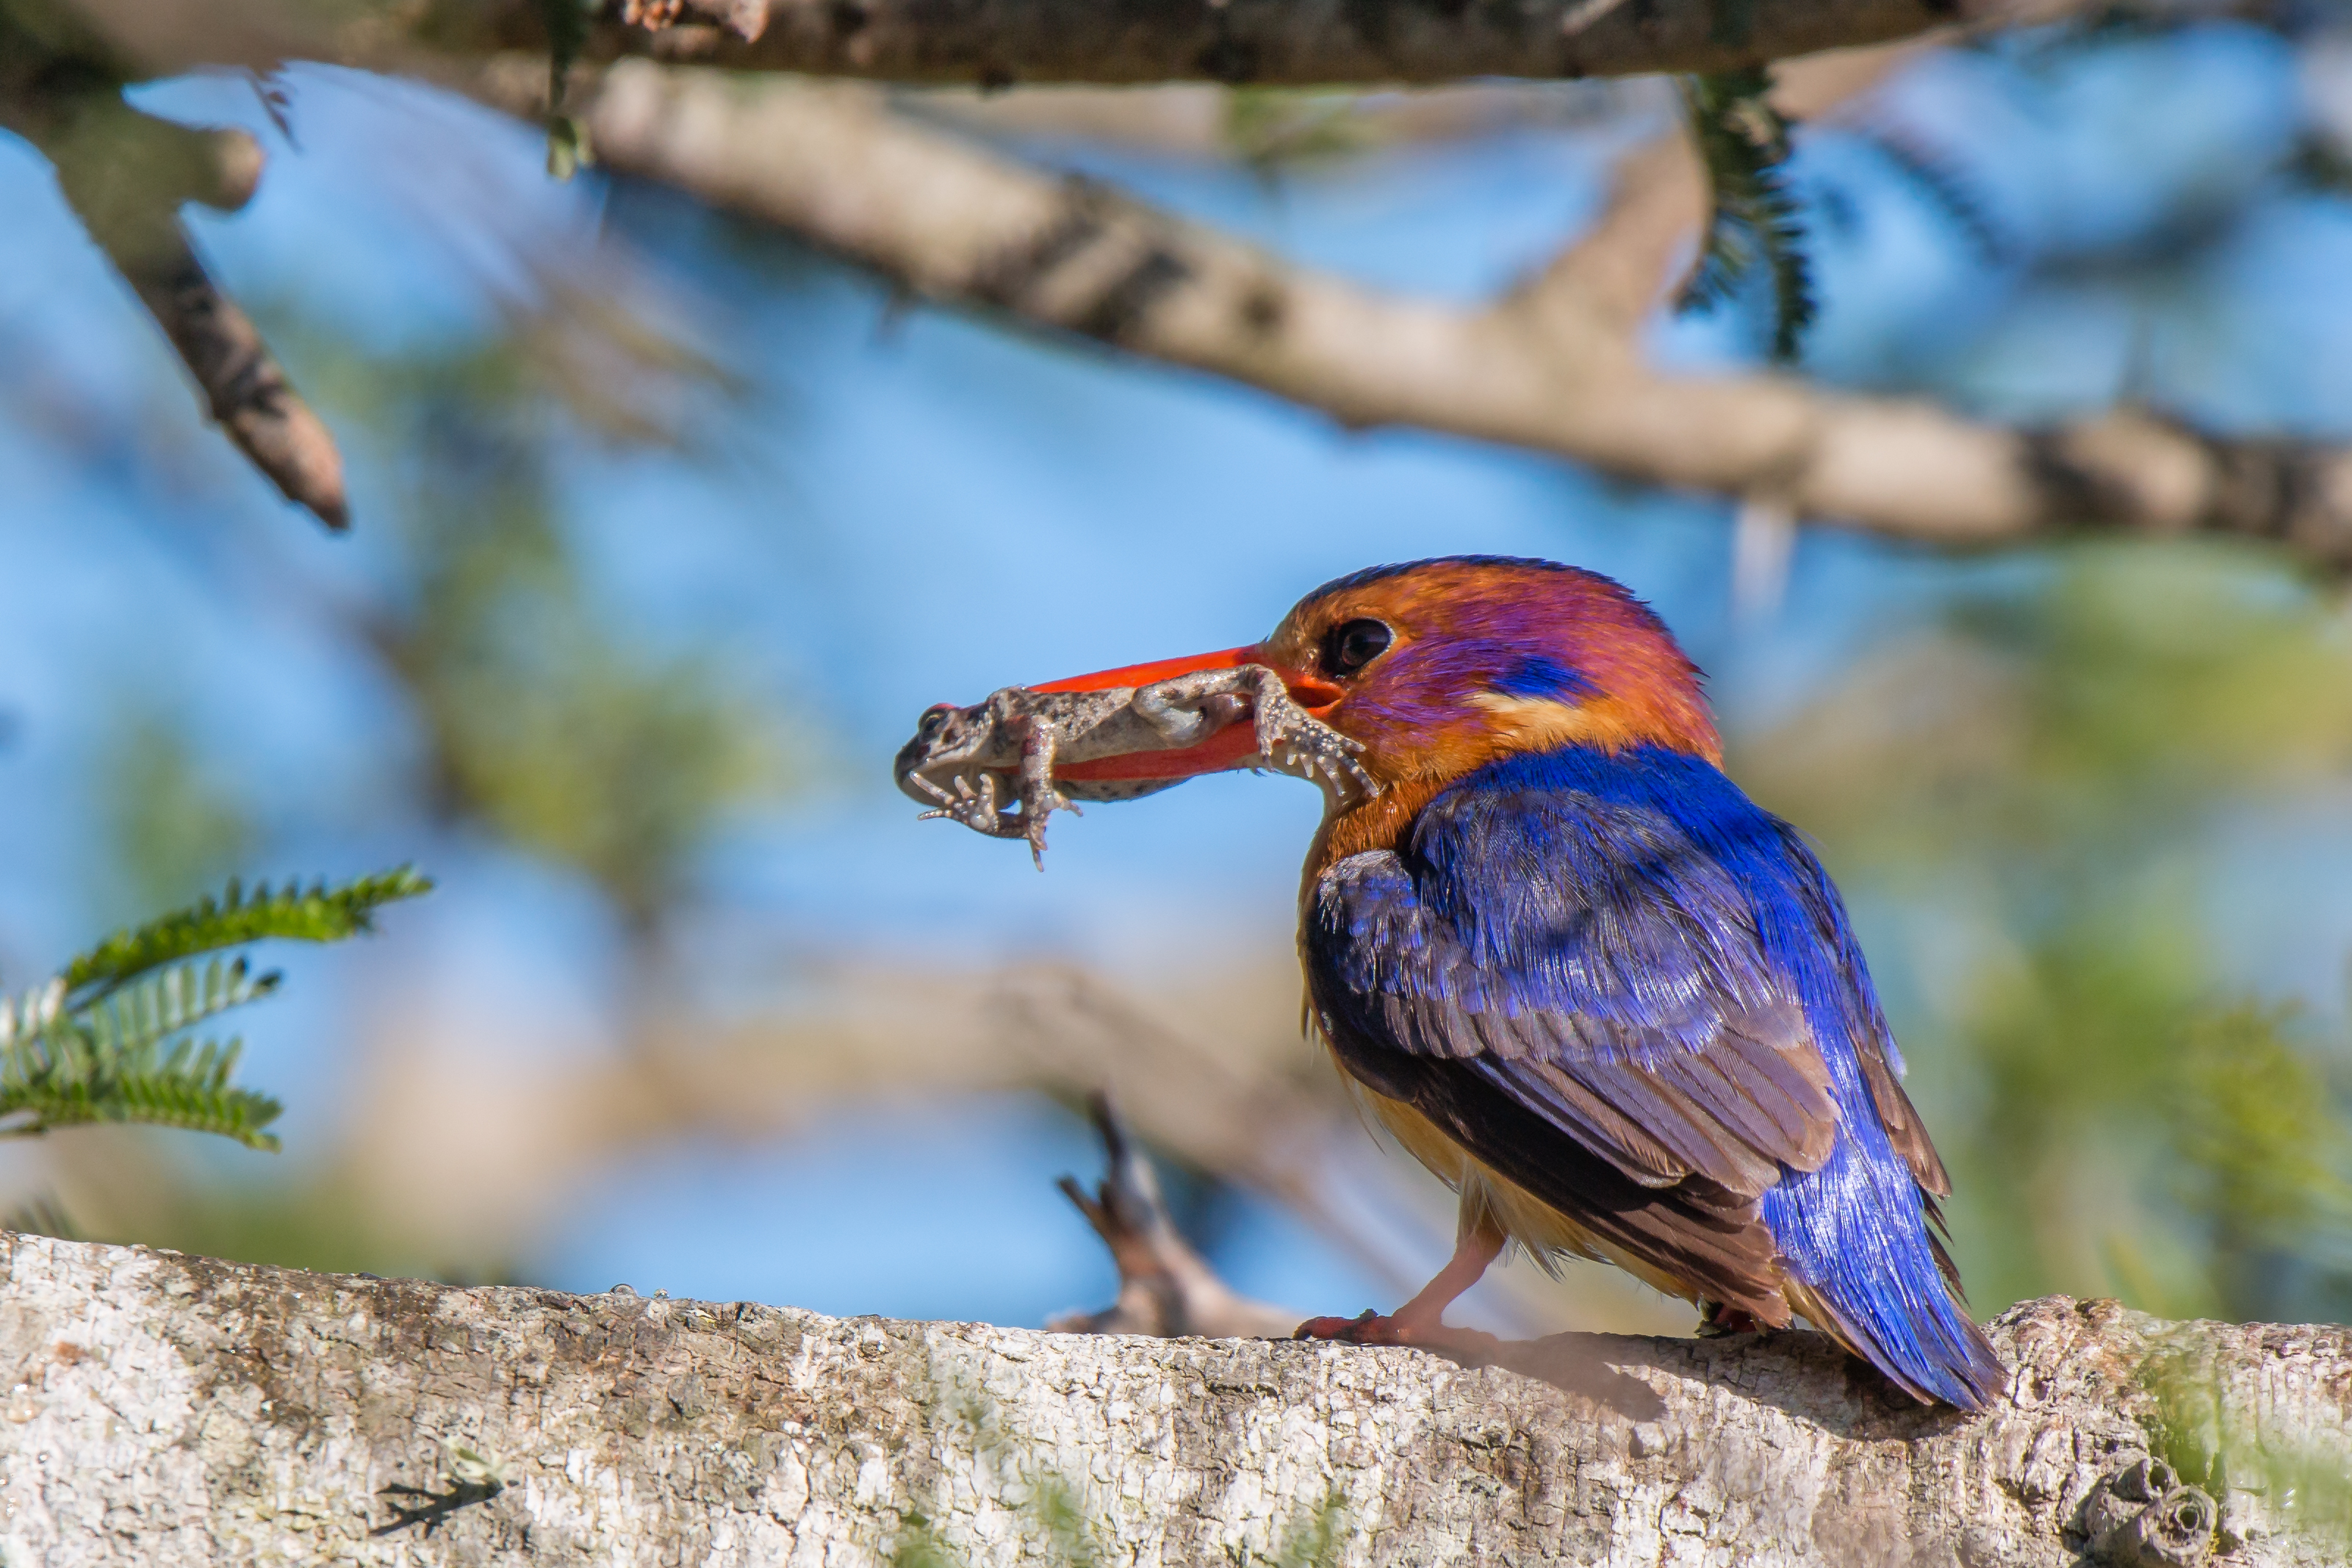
(1864, 1267)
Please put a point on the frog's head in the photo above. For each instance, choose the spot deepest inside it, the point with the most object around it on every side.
(953, 742)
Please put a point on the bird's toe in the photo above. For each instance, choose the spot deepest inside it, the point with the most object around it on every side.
(1368, 1327)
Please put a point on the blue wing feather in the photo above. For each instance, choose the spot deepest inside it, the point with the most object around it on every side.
(1623, 949)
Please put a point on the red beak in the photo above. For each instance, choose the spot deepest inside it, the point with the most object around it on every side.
(1227, 748)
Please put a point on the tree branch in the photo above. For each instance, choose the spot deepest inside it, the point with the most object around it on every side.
(1555, 368)
(996, 43)
(1291, 42)
(125, 174)
(171, 1410)
(1165, 1288)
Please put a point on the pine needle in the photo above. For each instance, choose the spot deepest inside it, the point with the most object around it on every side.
(1754, 217)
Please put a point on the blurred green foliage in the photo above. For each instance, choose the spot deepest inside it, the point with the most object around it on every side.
(543, 720)
(2304, 1481)
(2030, 804)
(173, 824)
(545, 723)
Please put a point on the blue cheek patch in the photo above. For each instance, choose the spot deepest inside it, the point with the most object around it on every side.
(1537, 674)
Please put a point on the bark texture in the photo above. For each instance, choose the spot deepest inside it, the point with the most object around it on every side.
(162, 1409)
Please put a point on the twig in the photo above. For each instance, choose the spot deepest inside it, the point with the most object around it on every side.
(125, 173)
(1165, 1288)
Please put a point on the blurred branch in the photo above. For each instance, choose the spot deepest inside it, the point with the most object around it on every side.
(999, 42)
(1165, 1287)
(1617, 271)
(1267, 125)
(1212, 1079)
(996, 43)
(125, 174)
(1553, 366)
(1544, 367)
(1248, 1107)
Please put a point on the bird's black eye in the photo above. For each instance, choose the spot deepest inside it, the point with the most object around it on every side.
(1354, 645)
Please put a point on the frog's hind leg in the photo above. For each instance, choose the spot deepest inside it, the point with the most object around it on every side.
(1039, 797)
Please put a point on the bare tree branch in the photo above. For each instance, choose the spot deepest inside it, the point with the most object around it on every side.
(1552, 367)
(1556, 369)
(997, 43)
(125, 174)
(1165, 1288)
(1294, 42)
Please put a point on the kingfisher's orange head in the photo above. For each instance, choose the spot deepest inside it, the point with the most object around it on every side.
(1441, 667)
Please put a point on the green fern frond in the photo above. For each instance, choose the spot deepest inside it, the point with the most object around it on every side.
(108, 1039)
(165, 1002)
(1754, 216)
(188, 1088)
(320, 914)
(199, 1099)
(38, 1039)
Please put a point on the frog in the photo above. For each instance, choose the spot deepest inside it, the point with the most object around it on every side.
(991, 766)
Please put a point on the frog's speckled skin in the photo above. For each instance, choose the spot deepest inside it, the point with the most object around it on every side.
(966, 762)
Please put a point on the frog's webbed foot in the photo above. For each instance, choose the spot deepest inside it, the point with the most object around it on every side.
(1039, 799)
(1295, 742)
(973, 805)
(976, 797)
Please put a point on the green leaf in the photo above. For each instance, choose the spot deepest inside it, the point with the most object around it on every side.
(1754, 218)
(199, 1099)
(318, 914)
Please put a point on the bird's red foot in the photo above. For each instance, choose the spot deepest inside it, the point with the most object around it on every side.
(1371, 1328)
(1368, 1328)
